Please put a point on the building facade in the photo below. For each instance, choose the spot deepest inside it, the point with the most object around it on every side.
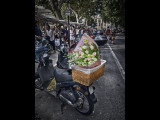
(100, 24)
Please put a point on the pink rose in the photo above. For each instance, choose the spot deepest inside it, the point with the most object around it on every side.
(82, 53)
(86, 52)
(86, 59)
(94, 54)
(91, 47)
(76, 55)
(89, 59)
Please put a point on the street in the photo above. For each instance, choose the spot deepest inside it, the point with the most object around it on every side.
(110, 90)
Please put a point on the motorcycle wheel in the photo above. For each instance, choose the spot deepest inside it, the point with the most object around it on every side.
(87, 106)
(38, 82)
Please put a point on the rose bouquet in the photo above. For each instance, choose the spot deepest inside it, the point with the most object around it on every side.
(86, 54)
(86, 63)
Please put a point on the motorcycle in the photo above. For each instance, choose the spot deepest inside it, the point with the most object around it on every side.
(70, 92)
(41, 46)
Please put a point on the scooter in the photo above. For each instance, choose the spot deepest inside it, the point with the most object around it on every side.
(42, 46)
(57, 81)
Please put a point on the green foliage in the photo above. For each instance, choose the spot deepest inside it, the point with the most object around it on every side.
(63, 8)
(110, 10)
(72, 18)
(113, 11)
(91, 21)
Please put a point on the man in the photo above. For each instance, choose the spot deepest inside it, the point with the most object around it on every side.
(77, 31)
(66, 32)
(38, 33)
(38, 42)
(81, 32)
(48, 33)
(62, 30)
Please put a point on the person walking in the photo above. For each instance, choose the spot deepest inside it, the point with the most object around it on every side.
(108, 32)
(113, 36)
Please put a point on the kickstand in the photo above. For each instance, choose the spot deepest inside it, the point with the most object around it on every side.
(62, 107)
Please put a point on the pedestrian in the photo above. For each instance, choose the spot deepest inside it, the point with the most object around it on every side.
(84, 30)
(108, 33)
(74, 32)
(65, 39)
(62, 30)
(57, 39)
(113, 36)
(90, 30)
(66, 31)
(94, 30)
(77, 31)
(81, 32)
(38, 40)
(48, 33)
(71, 36)
(61, 33)
(38, 33)
(52, 39)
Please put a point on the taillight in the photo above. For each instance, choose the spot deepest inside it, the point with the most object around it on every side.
(92, 36)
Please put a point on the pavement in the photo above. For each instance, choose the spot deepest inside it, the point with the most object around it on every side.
(110, 90)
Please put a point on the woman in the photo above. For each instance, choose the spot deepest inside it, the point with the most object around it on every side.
(108, 33)
(57, 39)
(71, 36)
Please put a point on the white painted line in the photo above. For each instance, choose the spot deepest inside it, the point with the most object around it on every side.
(118, 63)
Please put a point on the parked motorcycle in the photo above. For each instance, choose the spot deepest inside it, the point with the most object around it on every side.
(41, 46)
(80, 97)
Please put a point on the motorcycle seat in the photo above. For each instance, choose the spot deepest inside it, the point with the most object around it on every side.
(62, 75)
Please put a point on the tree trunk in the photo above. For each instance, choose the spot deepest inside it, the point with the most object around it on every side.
(75, 13)
(56, 9)
(58, 14)
(86, 22)
(80, 18)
